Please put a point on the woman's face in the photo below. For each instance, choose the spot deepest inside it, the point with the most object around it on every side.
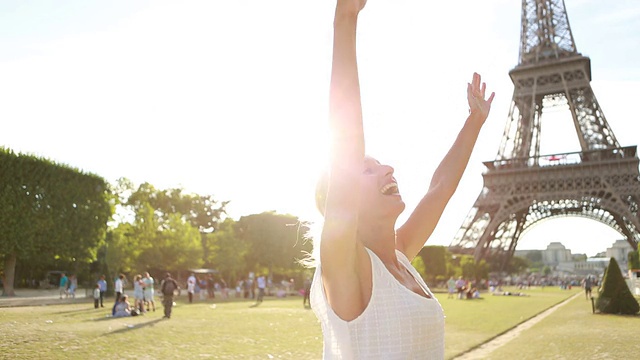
(379, 190)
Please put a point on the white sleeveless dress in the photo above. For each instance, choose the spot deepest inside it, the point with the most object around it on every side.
(397, 323)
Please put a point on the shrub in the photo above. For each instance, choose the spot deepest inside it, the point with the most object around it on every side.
(614, 296)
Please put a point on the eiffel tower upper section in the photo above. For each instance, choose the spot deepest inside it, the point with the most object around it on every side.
(551, 68)
(601, 181)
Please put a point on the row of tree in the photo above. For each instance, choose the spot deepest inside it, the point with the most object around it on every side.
(437, 264)
(55, 217)
(173, 230)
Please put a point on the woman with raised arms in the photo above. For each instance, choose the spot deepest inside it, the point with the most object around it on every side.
(372, 304)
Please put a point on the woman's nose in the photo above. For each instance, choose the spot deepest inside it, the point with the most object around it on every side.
(388, 169)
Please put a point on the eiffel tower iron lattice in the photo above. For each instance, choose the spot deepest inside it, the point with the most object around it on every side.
(523, 187)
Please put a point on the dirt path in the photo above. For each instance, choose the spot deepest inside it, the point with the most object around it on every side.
(487, 348)
(32, 297)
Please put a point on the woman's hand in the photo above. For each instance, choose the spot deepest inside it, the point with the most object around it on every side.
(475, 96)
(352, 7)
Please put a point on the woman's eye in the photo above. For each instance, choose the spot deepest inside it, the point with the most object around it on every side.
(368, 171)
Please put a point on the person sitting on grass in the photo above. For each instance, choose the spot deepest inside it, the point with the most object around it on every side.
(509, 293)
(473, 293)
(123, 308)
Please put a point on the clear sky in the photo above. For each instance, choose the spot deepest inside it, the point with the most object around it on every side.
(229, 98)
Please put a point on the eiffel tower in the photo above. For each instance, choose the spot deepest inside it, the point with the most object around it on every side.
(523, 187)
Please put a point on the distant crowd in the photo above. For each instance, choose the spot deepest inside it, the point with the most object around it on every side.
(202, 287)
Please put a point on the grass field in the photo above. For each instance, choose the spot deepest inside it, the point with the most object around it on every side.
(470, 323)
(279, 328)
(575, 333)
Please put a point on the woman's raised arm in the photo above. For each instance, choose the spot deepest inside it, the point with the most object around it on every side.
(412, 236)
(338, 246)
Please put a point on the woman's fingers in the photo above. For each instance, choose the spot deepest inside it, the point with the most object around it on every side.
(490, 100)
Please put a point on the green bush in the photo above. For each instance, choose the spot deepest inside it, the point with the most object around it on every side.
(633, 260)
(614, 296)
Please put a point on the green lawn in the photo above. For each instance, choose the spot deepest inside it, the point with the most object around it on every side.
(573, 332)
(279, 328)
(470, 323)
(276, 329)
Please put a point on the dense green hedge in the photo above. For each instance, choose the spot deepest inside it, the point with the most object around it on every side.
(48, 210)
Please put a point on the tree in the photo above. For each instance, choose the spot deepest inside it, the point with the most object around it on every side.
(468, 266)
(122, 249)
(48, 211)
(227, 251)
(176, 247)
(472, 270)
(435, 262)
(274, 241)
(517, 265)
(534, 256)
(202, 211)
(633, 259)
(418, 264)
(614, 296)
(156, 233)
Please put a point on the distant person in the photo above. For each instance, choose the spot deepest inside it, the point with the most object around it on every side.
(473, 293)
(209, 285)
(138, 293)
(238, 292)
(306, 299)
(96, 296)
(509, 293)
(169, 285)
(64, 280)
(122, 308)
(252, 287)
(149, 292)
(461, 286)
(73, 285)
(451, 288)
(246, 288)
(587, 283)
(261, 282)
(102, 284)
(191, 286)
(119, 287)
(224, 289)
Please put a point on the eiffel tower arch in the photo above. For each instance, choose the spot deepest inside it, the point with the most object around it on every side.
(523, 187)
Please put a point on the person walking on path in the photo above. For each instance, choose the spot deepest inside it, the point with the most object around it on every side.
(64, 282)
(587, 283)
(169, 285)
(73, 285)
(102, 285)
(371, 302)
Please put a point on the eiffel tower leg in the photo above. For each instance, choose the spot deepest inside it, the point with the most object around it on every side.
(489, 230)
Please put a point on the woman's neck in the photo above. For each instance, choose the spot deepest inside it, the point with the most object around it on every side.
(381, 239)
